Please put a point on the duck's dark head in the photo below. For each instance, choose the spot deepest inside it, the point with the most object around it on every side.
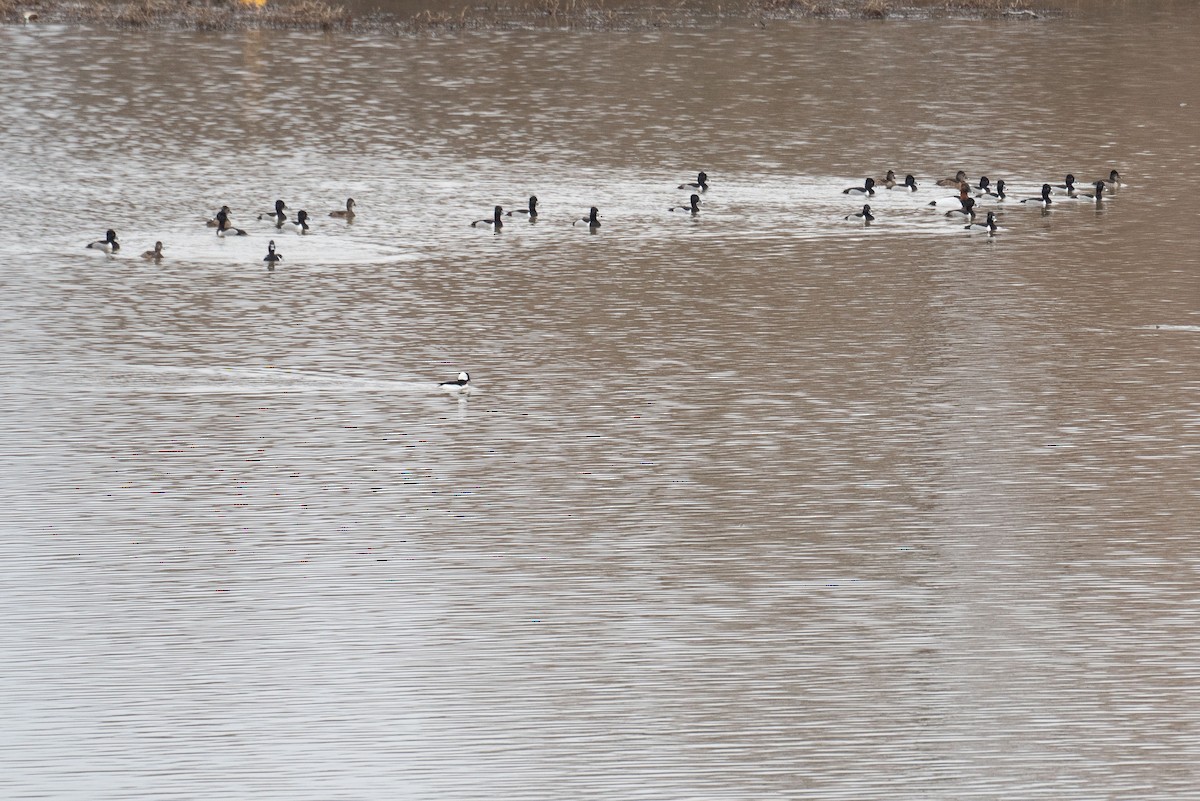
(910, 181)
(280, 206)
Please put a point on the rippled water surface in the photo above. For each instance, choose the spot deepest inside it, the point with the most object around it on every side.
(756, 503)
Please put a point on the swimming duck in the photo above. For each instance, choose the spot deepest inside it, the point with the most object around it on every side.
(960, 177)
(985, 185)
(531, 211)
(108, 244)
(1067, 184)
(346, 213)
(989, 225)
(888, 181)
(156, 254)
(300, 224)
(868, 188)
(1043, 200)
(277, 216)
(272, 256)
(694, 208)
(1114, 180)
(460, 386)
(865, 215)
(909, 183)
(998, 194)
(1096, 196)
(963, 195)
(213, 223)
(593, 218)
(967, 210)
(495, 222)
(225, 228)
(701, 183)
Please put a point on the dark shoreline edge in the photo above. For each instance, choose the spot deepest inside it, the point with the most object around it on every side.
(232, 15)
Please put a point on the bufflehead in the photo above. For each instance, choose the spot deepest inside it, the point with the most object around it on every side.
(277, 216)
(967, 210)
(694, 208)
(989, 225)
(156, 254)
(701, 183)
(960, 177)
(531, 211)
(460, 386)
(225, 228)
(213, 223)
(865, 215)
(868, 188)
(272, 256)
(108, 244)
(495, 222)
(299, 224)
(1043, 199)
(346, 213)
(593, 218)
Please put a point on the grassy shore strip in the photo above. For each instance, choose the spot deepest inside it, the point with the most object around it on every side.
(588, 14)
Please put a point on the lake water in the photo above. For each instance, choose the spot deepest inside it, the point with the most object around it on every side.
(756, 503)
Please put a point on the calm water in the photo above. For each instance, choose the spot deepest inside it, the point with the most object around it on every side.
(754, 504)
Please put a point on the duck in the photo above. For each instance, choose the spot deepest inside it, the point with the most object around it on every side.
(1096, 196)
(213, 223)
(865, 215)
(998, 194)
(593, 218)
(346, 213)
(277, 216)
(1113, 180)
(459, 386)
(224, 228)
(985, 185)
(960, 177)
(962, 197)
(156, 254)
(1043, 200)
(694, 208)
(300, 224)
(989, 224)
(1067, 184)
(531, 211)
(889, 180)
(701, 182)
(910, 183)
(108, 244)
(967, 210)
(495, 222)
(868, 188)
(272, 257)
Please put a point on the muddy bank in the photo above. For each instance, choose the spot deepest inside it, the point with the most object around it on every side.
(411, 17)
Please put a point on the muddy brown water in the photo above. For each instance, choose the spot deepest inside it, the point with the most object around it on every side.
(756, 503)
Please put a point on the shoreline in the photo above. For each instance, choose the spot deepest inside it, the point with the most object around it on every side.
(234, 15)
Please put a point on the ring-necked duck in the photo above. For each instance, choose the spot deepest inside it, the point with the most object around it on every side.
(868, 188)
(593, 218)
(1067, 184)
(225, 228)
(461, 385)
(346, 213)
(213, 223)
(277, 216)
(1113, 181)
(967, 210)
(888, 181)
(531, 211)
(272, 256)
(495, 222)
(694, 208)
(156, 254)
(960, 177)
(985, 185)
(865, 215)
(701, 183)
(998, 194)
(1043, 200)
(909, 182)
(108, 244)
(988, 225)
(300, 224)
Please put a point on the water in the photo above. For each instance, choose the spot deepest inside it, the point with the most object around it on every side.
(759, 503)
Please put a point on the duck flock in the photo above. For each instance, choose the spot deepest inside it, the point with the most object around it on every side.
(971, 201)
(966, 206)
